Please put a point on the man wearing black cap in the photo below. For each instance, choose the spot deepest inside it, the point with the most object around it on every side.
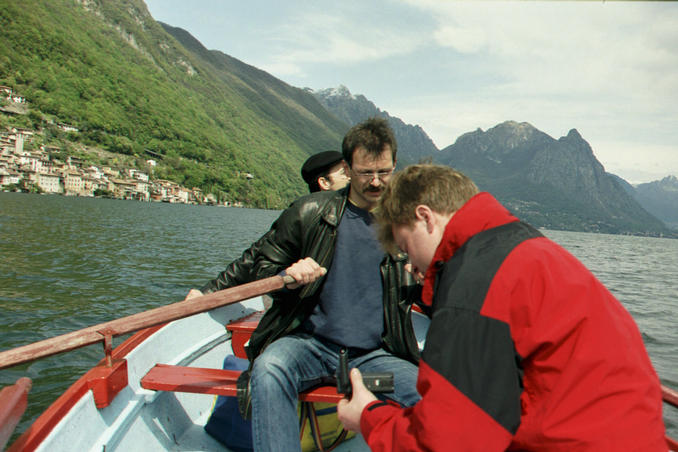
(325, 171)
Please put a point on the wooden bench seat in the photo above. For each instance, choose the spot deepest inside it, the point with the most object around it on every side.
(199, 380)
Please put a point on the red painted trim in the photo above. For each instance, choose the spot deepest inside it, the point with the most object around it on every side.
(106, 382)
(13, 402)
(39, 430)
(241, 330)
(44, 424)
(670, 396)
(134, 341)
(199, 380)
(321, 394)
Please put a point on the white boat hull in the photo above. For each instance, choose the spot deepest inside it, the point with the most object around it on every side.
(144, 420)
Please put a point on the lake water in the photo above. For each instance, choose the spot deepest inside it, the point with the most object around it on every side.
(67, 263)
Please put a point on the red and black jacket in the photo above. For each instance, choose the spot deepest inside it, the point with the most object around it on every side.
(526, 350)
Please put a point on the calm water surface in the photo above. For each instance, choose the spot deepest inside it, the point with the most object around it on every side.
(67, 263)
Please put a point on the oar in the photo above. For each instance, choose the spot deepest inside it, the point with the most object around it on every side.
(105, 331)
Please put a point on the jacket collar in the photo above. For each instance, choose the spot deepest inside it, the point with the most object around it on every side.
(334, 210)
(480, 213)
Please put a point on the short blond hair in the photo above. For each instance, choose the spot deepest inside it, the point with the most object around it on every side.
(441, 188)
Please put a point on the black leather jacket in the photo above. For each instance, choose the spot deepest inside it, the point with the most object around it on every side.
(308, 228)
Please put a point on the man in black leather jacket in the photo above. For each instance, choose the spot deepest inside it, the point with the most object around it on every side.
(362, 304)
(319, 216)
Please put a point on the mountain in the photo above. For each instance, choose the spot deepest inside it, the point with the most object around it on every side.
(556, 184)
(414, 144)
(660, 198)
(124, 83)
(133, 86)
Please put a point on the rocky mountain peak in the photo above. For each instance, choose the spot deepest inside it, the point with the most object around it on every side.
(413, 143)
(513, 134)
(573, 134)
(548, 182)
(518, 128)
(340, 91)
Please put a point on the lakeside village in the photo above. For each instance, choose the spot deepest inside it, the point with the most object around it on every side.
(38, 171)
(42, 171)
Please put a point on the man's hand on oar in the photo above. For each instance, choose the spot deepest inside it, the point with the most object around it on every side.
(304, 271)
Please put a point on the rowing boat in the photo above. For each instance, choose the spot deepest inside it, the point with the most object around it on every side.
(156, 390)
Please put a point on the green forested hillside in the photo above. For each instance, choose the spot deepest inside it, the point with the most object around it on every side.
(107, 68)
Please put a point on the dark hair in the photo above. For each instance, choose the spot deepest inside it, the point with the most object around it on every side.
(313, 186)
(442, 188)
(373, 135)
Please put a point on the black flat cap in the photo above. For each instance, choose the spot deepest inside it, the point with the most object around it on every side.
(317, 163)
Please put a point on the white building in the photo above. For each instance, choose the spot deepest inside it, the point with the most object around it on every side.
(8, 177)
(138, 175)
(50, 183)
(94, 172)
(73, 183)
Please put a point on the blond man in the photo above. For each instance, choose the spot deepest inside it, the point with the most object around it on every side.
(527, 350)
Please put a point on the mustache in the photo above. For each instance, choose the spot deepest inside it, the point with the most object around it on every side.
(372, 189)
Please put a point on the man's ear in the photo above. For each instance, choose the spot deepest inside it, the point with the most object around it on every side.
(323, 183)
(424, 212)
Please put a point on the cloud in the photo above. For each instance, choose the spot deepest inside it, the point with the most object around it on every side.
(607, 69)
(463, 39)
(550, 47)
(337, 37)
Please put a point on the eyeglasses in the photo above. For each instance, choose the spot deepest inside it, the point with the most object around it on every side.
(369, 175)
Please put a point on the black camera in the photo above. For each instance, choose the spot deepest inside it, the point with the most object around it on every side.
(375, 382)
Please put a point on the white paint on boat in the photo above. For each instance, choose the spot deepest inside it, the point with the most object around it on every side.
(145, 420)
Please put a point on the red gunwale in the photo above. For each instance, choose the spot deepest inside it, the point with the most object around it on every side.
(13, 402)
(44, 424)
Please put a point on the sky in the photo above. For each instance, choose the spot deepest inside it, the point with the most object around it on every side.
(607, 69)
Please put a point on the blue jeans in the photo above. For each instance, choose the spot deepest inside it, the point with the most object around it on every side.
(298, 362)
